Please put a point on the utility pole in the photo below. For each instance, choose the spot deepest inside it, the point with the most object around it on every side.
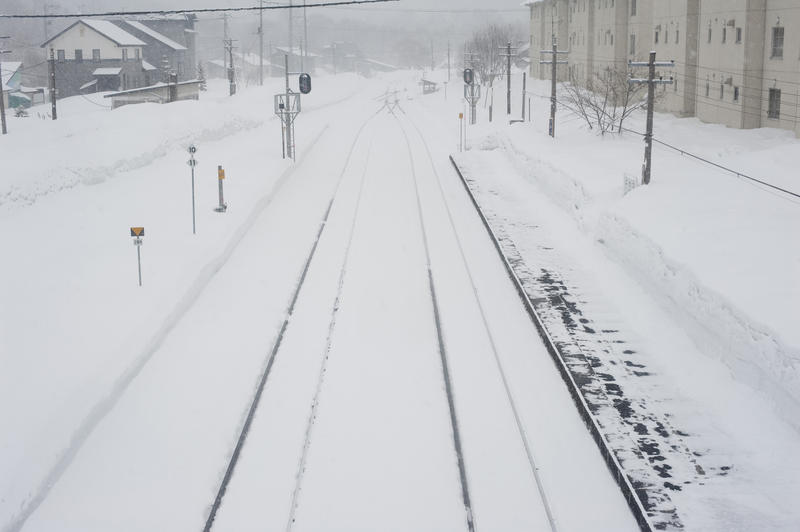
(448, 62)
(231, 67)
(2, 93)
(433, 61)
(291, 37)
(333, 56)
(225, 40)
(524, 91)
(508, 57)
(554, 75)
(53, 84)
(305, 37)
(651, 82)
(261, 43)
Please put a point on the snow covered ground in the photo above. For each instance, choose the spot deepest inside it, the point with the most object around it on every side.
(121, 405)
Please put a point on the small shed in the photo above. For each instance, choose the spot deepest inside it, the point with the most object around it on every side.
(429, 87)
(158, 93)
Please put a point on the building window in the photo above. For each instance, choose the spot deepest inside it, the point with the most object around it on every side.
(774, 110)
(777, 43)
(709, 35)
(61, 55)
(180, 68)
(675, 85)
(721, 91)
(96, 55)
(612, 39)
(633, 8)
(666, 36)
(736, 94)
(124, 54)
(677, 36)
(138, 54)
(708, 88)
(724, 34)
(79, 56)
(738, 35)
(633, 44)
(656, 37)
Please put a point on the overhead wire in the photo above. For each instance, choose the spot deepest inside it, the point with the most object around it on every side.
(162, 12)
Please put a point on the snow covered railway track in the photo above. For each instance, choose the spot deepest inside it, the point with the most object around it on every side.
(477, 299)
(625, 485)
(290, 311)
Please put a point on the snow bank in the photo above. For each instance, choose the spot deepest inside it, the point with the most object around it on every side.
(721, 253)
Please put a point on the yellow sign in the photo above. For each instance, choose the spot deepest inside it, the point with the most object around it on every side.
(137, 231)
(221, 173)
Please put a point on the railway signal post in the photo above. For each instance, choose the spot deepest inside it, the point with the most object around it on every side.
(287, 107)
(472, 93)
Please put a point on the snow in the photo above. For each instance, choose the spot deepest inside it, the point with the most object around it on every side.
(113, 32)
(154, 34)
(121, 405)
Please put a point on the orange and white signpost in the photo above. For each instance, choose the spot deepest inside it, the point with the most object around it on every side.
(137, 233)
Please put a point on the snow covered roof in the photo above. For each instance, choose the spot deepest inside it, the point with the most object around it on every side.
(147, 66)
(113, 32)
(9, 68)
(296, 50)
(107, 71)
(155, 35)
(107, 29)
(89, 84)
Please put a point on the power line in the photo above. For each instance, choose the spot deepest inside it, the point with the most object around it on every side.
(188, 11)
(712, 163)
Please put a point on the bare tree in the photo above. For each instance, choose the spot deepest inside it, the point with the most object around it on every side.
(605, 100)
(485, 44)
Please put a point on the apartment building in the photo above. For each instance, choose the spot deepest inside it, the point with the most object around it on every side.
(737, 62)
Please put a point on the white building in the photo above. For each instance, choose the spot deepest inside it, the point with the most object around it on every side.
(737, 62)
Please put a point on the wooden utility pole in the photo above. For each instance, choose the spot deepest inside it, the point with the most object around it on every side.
(53, 84)
(651, 82)
(554, 78)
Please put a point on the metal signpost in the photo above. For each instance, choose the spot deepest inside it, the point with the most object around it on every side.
(192, 163)
(137, 233)
(222, 207)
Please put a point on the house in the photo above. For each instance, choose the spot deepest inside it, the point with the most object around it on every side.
(170, 44)
(736, 61)
(298, 61)
(10, 83)
(96, 53)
